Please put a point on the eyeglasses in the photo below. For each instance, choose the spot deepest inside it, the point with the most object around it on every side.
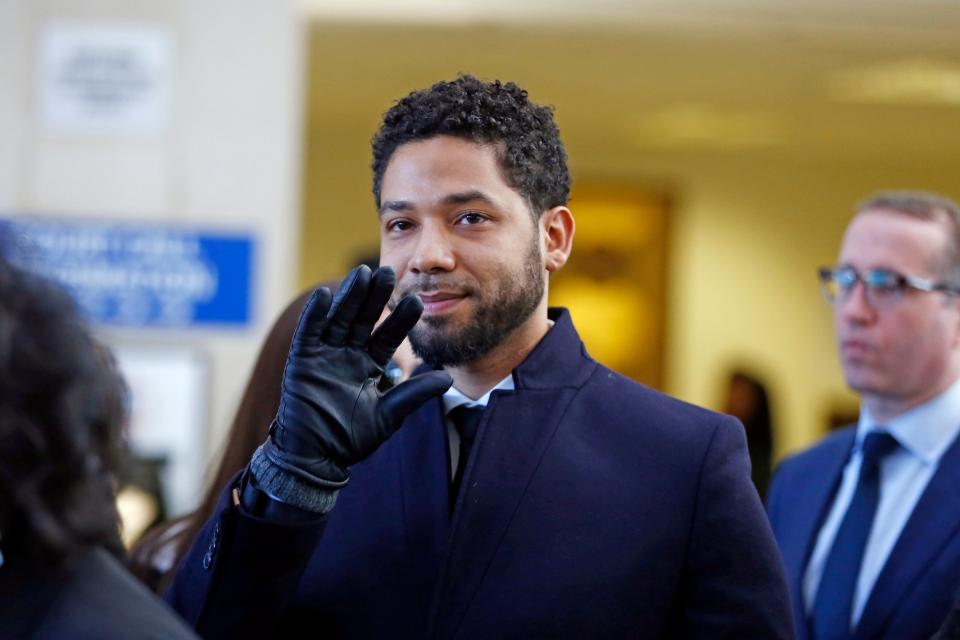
(882, 287)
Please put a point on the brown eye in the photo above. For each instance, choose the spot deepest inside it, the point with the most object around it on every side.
(398, 225)
(472, 218)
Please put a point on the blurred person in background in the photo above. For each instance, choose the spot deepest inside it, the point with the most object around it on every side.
(542, 495)
(62, 410)
(868, 520)
(747, 401)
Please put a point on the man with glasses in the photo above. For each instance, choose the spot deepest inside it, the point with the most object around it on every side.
(868, 520)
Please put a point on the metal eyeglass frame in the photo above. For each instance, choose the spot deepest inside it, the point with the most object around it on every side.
(882, 282)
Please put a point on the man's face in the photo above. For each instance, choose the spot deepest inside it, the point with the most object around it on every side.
(463, 240)
(901, 353)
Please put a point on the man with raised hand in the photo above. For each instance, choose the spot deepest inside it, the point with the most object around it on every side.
(541, 495)
(868, 520)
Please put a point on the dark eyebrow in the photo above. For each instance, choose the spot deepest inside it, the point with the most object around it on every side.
(468, 196)
(451, 199)
(395, 205)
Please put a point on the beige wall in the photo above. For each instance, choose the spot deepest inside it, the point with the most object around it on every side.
(228, 160)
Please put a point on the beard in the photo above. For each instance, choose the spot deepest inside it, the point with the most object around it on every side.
(498, 313)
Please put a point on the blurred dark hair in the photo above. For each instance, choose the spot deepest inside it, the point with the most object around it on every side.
(524, 134)
(62, 411)
(748, 400)
(756, 420)
(256, 411)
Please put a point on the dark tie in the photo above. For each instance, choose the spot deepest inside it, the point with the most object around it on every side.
(833, 604)
(466, 420)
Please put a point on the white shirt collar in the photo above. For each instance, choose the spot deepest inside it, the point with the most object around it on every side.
(454, 398)
(925, 430)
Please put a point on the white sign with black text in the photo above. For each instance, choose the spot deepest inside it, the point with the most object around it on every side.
(105, 79)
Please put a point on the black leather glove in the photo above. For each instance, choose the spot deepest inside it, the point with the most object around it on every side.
(332, 413)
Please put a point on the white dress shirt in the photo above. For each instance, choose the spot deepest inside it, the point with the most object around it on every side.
(924, 434)
(452, 399)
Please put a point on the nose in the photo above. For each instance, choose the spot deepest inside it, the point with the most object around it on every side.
(854, 307)
(433, 252)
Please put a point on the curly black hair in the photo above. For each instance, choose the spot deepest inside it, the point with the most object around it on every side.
(62, 408)
(531, 154)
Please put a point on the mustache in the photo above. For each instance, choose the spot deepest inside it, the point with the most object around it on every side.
(428, 283)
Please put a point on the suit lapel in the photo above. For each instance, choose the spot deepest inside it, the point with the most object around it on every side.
(513, 436)
(934, 522)
(807, 512)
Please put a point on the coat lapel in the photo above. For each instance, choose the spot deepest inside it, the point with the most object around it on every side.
(514, 433)
(424, 478)
(513, 436)
(934, 522)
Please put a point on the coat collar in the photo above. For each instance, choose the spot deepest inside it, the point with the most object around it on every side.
(558, 359)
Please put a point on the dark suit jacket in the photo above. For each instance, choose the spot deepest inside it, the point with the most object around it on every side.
(951, 626)
(91, 598)
(914, 590)
(590, 507)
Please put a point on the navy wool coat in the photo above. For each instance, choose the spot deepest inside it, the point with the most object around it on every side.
(591, 506)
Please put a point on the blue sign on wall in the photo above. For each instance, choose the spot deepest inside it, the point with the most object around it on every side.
(139, 275)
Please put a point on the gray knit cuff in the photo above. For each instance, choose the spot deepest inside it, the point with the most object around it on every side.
(288, 488)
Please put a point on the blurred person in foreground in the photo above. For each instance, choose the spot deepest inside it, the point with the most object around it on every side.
(62, 411)
(868, 520)
(542, 495)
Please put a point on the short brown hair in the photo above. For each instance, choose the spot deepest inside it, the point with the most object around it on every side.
(925, 206)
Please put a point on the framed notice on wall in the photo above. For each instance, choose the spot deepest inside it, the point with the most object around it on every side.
(105, 78)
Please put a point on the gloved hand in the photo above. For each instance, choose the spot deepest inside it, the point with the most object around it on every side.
(332, 413)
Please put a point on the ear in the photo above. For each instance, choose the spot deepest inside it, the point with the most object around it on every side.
(557, 227)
